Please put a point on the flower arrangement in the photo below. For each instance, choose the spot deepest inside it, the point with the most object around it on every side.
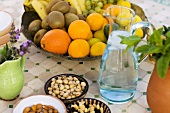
(157, 46)
(9, 51)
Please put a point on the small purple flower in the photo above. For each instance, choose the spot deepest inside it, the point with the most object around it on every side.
(17, 36)
(21, 53)
(25, 44)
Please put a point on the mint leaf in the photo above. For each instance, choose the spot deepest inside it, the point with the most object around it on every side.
(155, 38)
(162, 65)
(168, 34)
(160, 30)
(131, 40)
(149, 49)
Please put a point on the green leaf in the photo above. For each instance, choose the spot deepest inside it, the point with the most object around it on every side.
(162, 65)
(160, 30)
(149, 49)
(131, 40)
(168, 34)
(155, 38)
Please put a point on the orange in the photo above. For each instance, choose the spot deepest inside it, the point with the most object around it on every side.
(115, 11)
(79, 48)
(95, 21)
(79, 29)
(90, 35)
(56, 41)
(106, 6)
(105, 22)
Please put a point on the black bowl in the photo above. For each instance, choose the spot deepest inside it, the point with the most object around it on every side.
(87, 102)
(67, 101)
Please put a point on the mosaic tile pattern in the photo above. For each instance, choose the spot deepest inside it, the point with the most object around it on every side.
(40, 66)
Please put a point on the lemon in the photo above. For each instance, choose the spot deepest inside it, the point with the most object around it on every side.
(100, 35)
(124, 3)
(124, 19)
(93, 41)
(97, 49)
(139, 32)
(137, 19)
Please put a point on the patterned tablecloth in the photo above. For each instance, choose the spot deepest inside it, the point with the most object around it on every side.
(40, 66)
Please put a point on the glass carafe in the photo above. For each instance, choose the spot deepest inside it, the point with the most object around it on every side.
(118, 74)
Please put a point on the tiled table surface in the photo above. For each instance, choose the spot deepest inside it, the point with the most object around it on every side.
(40, 66)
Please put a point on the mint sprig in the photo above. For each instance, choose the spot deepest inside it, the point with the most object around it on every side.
(156, 45)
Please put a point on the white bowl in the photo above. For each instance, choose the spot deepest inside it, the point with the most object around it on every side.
(43, 99)
(6, 21)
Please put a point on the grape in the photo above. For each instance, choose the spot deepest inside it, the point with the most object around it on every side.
(97, 9)
(104, 1)
(88, 3)
(110, 1)
(88, 7)
(100, 4)
(91, 11)
(85, 14)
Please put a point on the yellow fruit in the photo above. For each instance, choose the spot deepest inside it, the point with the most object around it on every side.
(95, 21)
(90, 35)
(102, 11)
(100, 35)
(106, 6)
(139, 32)
(124, 19)
(76, 5)
(93, 41)
(124, 3)
(115, 11)
(97, 49)
(105, 22)
(39, 8)
(79, 48)
(79, 29)
(137, 19)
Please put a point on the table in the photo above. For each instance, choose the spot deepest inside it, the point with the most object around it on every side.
(40, 66)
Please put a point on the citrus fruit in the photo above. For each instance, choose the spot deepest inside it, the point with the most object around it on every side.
(124, 19)
(137, 19)
(100, 35)
(124, 3)
(56, 41)
(79, 48)
(139, 32)
(97, 49)
(79, 29)
(105, 22)
(115, 11)
(101, 12)
(106, 6)
(89, 36)
(107, 28)
(93, 41)
(95, 21)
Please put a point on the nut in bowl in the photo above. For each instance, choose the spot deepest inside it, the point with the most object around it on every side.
(88, 105)
(40, 103)
(67, 87)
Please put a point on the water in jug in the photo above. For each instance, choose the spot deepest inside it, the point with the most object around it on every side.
(118, 73)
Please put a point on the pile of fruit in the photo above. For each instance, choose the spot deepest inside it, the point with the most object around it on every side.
(73, 27)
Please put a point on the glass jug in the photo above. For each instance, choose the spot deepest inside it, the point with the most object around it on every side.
(118, 73)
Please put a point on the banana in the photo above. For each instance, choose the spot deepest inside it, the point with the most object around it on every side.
(82, 4)
(39, 8)
(44, 2)
(75, 4)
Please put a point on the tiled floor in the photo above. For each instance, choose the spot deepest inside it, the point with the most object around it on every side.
(40, 66)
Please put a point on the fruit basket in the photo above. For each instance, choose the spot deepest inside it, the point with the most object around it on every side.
(29, 16)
